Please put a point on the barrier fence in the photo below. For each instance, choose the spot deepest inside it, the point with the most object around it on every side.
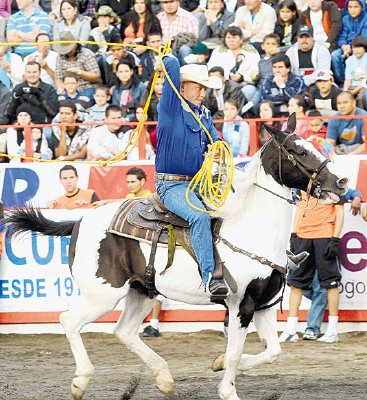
(252, 122)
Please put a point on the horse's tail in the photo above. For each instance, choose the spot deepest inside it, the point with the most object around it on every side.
(20, 221)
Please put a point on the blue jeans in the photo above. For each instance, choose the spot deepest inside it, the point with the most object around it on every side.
(173, 196)
(338, 66)
(318, 296)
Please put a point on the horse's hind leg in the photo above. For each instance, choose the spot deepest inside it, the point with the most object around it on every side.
(266, 325)
(137, 306)
(73, 320)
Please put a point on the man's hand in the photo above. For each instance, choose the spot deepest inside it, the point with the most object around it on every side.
(332, 248)
(213, 153)
(356, 205)
(81, 202)
(158, 65)
(99, 203)
(52, 204)
(279, 80)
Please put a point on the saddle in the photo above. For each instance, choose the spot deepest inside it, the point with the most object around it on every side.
(149, 220)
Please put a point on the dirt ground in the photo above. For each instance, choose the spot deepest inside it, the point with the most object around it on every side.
(34, 367)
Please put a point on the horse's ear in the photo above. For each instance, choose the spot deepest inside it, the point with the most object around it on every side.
(275, 133)
(291, 124)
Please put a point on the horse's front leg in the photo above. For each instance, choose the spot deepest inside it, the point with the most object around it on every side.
(236, 339)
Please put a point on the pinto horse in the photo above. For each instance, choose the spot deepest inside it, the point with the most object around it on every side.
(257, 220)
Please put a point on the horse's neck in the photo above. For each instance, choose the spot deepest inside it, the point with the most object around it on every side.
(264, 223)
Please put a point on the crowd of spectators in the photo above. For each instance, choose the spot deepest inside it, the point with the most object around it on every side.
(273, 57)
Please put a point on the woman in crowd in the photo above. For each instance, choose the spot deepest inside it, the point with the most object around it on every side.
(240, 64)
(266, 112)
(298, 105)
(129, 91)
(287, 25)
(139, 22)
(71, 21)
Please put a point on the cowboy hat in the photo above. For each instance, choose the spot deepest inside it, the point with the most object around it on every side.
(199, 74)
(65, 48)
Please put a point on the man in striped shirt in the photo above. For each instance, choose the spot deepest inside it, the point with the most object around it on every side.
(25, 25)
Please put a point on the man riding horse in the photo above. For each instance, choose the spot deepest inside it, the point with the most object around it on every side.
(181, 147)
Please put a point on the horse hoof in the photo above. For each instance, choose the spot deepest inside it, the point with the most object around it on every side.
(166, 388)
(218, 363)
(79, 386)
(76, 392)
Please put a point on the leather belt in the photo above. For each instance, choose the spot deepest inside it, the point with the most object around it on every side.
(168, 177)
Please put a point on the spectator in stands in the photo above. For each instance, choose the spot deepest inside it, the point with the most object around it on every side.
(200, 55)
(325, 20)
(74, 197)
(70, 142)
(111, 139)
(157, 92)
(215, 98)
(101, 98)
(5, 96)
(354, 23)
(129, 91)
(71, 92)
(307, 56)
(297, 104)
(347, 135)
(119, 7)
(266, 112)
(316, 125)
(45, 57)
(105, 32)
(175, 20)
(78, 60)
(256, 19)
(282, 85)
(118, 53)
(5, 8)
(25, 25)
(148, 58)
(136, 180)
(214, 21)
(323, 96)
(71, 21)
(240, 63)
(138, 23)
(356, 70)
(39, 95)
(11, 68)
(235, 133)
(287, 24)
(270, 47)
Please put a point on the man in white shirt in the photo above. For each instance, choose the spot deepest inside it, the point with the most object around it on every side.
(110, 140)
(45, 57)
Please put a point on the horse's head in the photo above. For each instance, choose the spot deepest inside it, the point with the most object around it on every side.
(294, 162)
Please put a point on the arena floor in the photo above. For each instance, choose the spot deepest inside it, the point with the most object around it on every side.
(35, 367)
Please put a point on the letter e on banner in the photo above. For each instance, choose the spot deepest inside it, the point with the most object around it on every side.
(345, 251)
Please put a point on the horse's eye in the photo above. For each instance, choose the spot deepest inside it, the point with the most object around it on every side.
(301, 154)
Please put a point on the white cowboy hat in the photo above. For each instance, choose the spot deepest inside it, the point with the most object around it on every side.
(199, 74)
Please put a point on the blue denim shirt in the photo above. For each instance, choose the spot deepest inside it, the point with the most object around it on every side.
(181, 142)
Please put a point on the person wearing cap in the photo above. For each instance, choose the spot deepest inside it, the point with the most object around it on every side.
(308, 56)
(105, 32)
(200, 55)
(41, 96)
(181, 146)
(323, 96)
(25, 25)
(78, 60)
(71, 21)
(325, 19)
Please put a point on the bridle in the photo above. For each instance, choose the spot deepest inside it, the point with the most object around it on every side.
(310, 173)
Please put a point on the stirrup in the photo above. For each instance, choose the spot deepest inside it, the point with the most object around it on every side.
(294, 261)
(219, 290)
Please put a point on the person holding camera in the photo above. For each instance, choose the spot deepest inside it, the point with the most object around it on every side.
(41, 96)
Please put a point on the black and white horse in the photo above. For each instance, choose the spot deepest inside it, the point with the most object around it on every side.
(257, 218)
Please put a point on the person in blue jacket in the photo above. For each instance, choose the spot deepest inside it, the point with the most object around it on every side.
(181, 147)
(354, 23)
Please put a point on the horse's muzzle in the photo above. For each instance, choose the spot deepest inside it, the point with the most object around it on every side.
(342, 183)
